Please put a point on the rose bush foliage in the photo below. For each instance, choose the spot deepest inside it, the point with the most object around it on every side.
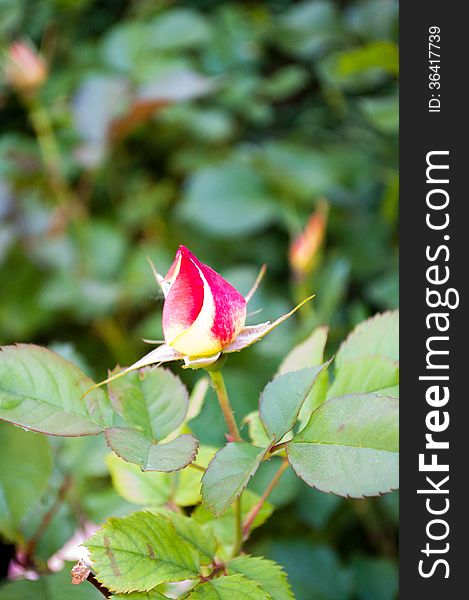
(252, 133)
(345, 444)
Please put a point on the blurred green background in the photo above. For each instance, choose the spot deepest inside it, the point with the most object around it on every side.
(221, 126)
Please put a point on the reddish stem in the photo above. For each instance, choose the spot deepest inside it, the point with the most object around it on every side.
(46, 520)
(257, 507)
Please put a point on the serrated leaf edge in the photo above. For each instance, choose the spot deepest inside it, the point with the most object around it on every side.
(251, 474)
(322, 368)
(151, 443)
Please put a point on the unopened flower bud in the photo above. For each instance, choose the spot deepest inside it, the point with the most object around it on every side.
(202, 312)
(204, 317)
(25, 69)
(305, 247)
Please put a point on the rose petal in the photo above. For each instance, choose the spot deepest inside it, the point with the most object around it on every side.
(221, 308)
(185, 298)
(230, 306)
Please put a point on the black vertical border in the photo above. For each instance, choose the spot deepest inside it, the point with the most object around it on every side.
(421, 132)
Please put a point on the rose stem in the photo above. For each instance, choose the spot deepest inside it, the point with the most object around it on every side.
(257, 507)
(46, 520)
(302, 289)
(197, 467)
(277, 447)
(49, 149)
(222, 395)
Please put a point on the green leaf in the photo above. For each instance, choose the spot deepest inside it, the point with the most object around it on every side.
(315, 398)
(350, 446)
(392, 391)
(146, 489)
(334, 279)
(200, 537)
(308, 353)
(24, 474)
(314, 570)
(234, 196)
(285, 82)
(73, 456)
(151, 595)
(139, 552)
(282, 399)
(228, 474)
(178, 28)
(197, 397)
(378, 336)
(134, 447)
(154, 401)
(56, 586)
(224, 526)
(368, 374)
(362, 67)
(285, 491)
(268, 574)
(228, 588)
(187, 490)
(382, 112)
(99, 504)
(369, 20)
(315, 508)
(42, 391)
(375, 578)
(298, 170)
(120, 47)
(307, 28)
(196, 402)
(156, 489)
(256, 430)
(61, 527)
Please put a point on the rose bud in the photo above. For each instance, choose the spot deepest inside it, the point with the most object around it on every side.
(203, 317)
(25, 69)
(202, 312)
(305, 247)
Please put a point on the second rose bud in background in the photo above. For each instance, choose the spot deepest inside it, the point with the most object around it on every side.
(306, 247)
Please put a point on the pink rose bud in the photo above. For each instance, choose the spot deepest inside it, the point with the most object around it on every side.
(202, 313)
(305, 247)
(203, 317)
(25, 70)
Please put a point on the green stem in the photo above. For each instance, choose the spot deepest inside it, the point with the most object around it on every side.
(49, 148)
(257, 507)
(197, 467)
(302, 289)
(224, 401)
(277, 447)
(222, 395)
